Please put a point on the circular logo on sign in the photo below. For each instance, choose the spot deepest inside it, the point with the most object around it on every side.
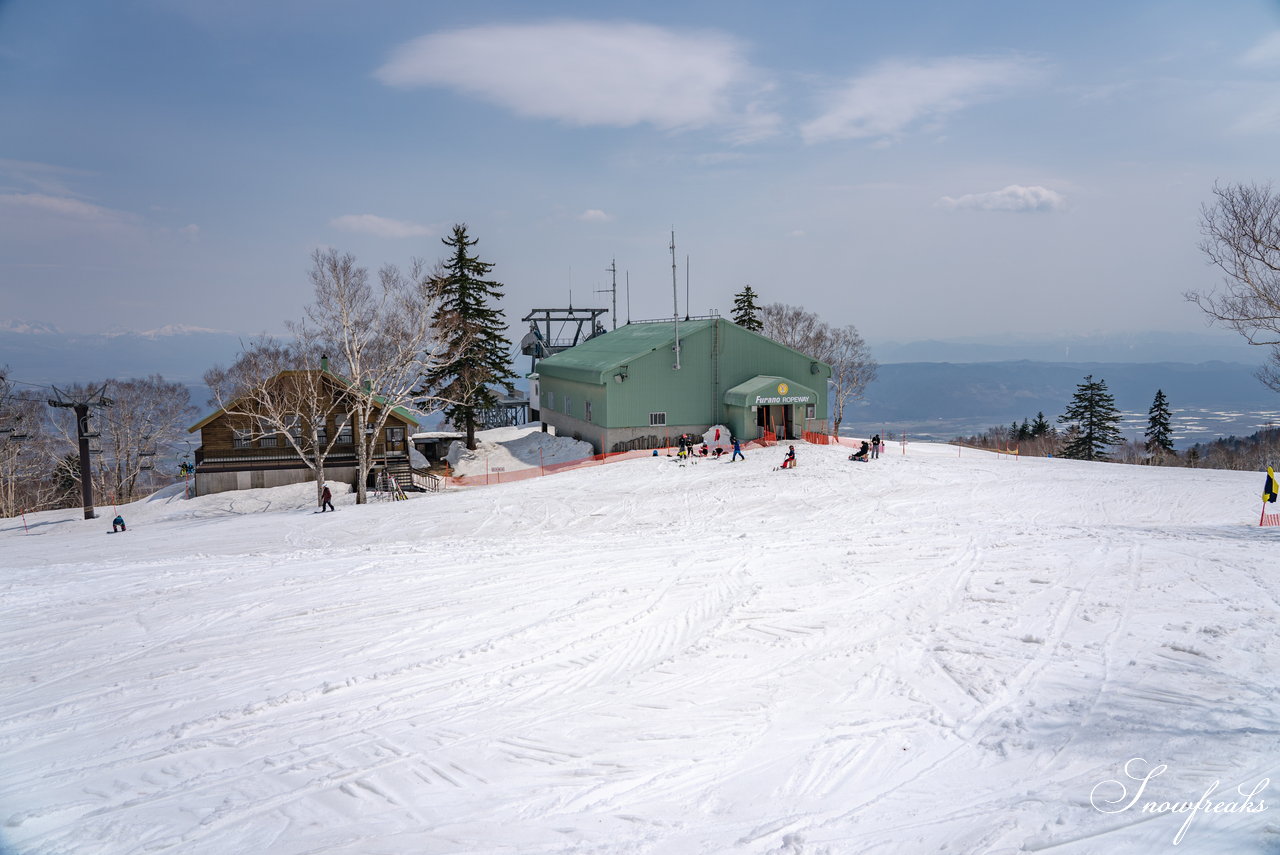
(782, 388)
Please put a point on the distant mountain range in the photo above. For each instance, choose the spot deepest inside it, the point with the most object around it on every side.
(39, 353)
(1216, 346)
(932, 400)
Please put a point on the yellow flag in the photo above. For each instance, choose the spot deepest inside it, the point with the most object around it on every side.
(1269, 489)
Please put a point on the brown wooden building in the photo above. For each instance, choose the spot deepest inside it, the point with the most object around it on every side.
(238, 451)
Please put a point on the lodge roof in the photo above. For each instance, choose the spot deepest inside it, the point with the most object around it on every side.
(343, 383)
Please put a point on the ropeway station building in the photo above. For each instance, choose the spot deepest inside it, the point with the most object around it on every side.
(634, 388)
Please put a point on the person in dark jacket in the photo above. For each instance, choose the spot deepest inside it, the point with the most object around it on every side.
(326, 500)
(117, 524)
(875, 446)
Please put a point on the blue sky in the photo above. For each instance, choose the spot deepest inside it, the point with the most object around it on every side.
(918, 169)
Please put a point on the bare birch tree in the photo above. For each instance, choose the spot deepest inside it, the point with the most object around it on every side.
(27, 452)
(1242, 239)
(147, 417)
(852, 370)
(381, 339)
(852, 367)
(797, 329)
(280, 390)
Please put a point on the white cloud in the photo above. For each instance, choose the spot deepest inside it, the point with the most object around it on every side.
(586, 73)
(595, 215)
(897, 95)
(1265, 53)
(371, 224)
(1015, 197)
(65, 208)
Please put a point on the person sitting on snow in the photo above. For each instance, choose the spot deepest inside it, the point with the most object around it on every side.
(789, 462)
(861, 453)
(117, 524)
(703, 451)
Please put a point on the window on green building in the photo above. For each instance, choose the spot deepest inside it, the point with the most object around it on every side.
(657, 419)
(586, 409)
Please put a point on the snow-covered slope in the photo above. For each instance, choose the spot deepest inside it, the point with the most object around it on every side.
(933, 652)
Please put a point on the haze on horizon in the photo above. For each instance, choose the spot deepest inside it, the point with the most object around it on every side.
(924, 170)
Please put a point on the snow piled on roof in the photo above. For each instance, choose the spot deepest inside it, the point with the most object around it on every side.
(938, 651)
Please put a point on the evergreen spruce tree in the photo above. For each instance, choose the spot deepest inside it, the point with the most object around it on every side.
(1013, 432)
(468, 320)
(1024, 431)
(746, 313)
(1093, 414)
(1159, 432)
(1040, 427)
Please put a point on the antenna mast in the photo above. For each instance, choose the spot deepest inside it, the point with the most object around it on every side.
(675, 298)
(613, 268)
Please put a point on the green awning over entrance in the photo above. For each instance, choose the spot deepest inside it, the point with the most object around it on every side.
(763, 391)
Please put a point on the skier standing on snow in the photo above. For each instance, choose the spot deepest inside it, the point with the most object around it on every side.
(326, 500)
(875, 446)
(737, 451)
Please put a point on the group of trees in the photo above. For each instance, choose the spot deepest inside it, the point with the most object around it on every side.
(852, 366)
(138, 422)
(430, 338)
(1090, 431)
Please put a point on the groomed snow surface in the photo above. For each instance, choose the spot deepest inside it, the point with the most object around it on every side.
(932, 652)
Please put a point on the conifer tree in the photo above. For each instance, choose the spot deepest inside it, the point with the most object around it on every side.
(1040, 427)
(1093, 414)
(1159, 432)
(469, 321)
(746, 313)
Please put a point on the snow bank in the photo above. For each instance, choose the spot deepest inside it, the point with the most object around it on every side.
(510, 449)
(938, 651)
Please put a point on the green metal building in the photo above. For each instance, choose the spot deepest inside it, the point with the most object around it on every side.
(622, 390)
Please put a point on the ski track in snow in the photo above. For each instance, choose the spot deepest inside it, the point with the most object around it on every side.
(931, 652)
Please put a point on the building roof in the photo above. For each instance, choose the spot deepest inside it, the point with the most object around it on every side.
(342, 382)
(763, 390)
(606, 353)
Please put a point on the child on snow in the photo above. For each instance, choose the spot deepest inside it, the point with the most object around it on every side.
(117, 524)
(789, 462)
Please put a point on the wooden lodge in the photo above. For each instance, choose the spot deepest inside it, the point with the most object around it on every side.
(239, 451)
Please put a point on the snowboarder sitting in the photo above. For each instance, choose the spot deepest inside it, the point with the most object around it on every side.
(326, 500)
(789, 462)
(719, 451)
(703, 451)
(117, 524)
(861, 454)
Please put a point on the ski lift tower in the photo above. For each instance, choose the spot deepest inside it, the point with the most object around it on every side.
(81, 404)
(544, 338)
